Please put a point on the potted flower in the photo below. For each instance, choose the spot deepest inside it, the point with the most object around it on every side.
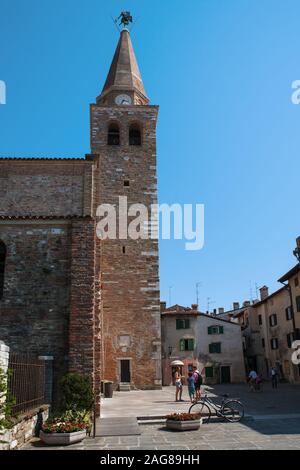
(183, 421)
(70, 427)
(60, 432)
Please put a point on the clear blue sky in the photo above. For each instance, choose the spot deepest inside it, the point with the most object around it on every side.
(228, 135)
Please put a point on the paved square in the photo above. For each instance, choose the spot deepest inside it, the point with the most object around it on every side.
(273, 422)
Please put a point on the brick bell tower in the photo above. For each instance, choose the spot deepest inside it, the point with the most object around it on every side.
(123, 136)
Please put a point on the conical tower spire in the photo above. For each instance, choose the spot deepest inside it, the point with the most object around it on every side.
(124, 74)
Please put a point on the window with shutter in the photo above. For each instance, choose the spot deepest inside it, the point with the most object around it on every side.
(182, 345)
(209, 330)
(209, 372)
(298, 303)
(215, 348)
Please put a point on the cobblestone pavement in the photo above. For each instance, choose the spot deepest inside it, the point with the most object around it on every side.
(265, 434)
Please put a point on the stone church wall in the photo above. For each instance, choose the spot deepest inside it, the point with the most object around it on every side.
(34, 309)
(47, 188)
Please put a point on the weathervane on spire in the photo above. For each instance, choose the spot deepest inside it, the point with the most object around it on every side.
(125, 17)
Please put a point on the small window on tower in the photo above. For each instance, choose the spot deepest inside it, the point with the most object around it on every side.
(126, 183)
(113, 137)
(135, 137)
(123, 250)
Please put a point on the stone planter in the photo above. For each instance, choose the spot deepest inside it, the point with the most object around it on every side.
(191, 425)
(62, 438)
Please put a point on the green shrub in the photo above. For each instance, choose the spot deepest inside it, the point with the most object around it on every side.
(77, 393)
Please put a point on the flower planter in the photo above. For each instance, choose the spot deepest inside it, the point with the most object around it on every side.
(62, 438)
(191, 425)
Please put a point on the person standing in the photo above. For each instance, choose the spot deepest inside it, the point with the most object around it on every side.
(198, 382)
(252, 380)
(191, 386)
(178, 384)
(274, 377)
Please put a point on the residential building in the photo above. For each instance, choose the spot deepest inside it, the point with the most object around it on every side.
(213, 344)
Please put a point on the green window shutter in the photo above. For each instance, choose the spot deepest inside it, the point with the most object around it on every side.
(221, 330)
(218, 348)
(298, 303)
(209, 372)
(190, 345)
(187, 323)
(179, 324)
(209, 330)
(211, 348)
(181, 345)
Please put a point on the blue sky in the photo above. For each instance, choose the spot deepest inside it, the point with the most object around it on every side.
(228, 133)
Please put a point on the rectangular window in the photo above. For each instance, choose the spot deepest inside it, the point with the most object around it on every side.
(298, 303)
(290, 338)
(273, 319)
(190, 367)
(209, 372)
(182, 324)
(296, 280)
(215, 330)
(288, 313)
(274, 343)
(263, 342)
(259, 319)
(187, 344)
(215, 348)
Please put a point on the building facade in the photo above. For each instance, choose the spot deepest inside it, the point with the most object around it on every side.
(214, 345)
(90, 302)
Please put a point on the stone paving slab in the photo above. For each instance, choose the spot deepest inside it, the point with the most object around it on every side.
(117, 427)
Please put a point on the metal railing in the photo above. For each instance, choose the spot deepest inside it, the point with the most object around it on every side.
(26, 382)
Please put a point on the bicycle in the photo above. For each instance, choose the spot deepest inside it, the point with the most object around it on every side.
(232, 410)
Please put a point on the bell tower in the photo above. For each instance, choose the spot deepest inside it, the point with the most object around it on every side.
(123, 139)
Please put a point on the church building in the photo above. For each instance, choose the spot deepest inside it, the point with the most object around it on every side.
(89, 305)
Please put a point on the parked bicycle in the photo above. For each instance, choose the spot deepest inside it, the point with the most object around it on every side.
(230, 409)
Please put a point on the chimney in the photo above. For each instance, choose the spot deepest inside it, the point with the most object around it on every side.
(163, 306)
(264, 292)
(236, 305)
(247, 303)
(298, 242)
(194, 307)
(221, 310)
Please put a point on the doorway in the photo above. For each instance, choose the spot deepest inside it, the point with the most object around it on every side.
(125, 370)
(225, 375)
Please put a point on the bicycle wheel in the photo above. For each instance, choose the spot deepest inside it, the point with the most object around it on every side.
(233, 411)
(203, 409)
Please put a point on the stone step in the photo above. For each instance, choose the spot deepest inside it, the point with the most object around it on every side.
(124, 387)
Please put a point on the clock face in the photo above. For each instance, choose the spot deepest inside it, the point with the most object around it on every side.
(123, 99)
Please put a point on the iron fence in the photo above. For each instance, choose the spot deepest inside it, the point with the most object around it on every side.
(26, 382)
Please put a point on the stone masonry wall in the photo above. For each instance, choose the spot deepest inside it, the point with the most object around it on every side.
(47, 188)
(34, 309)
(129, 268)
